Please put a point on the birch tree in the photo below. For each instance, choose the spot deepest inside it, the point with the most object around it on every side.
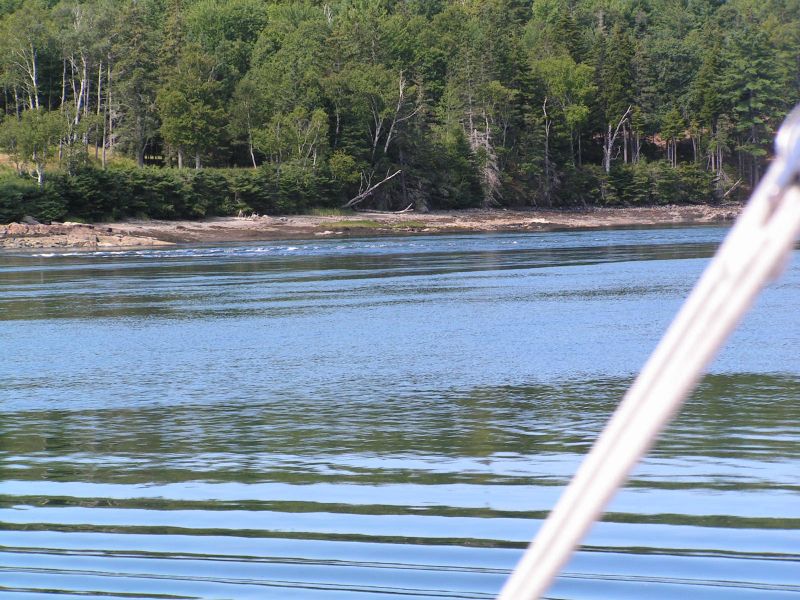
(25, 36)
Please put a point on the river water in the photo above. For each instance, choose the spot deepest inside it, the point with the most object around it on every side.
(381, 418)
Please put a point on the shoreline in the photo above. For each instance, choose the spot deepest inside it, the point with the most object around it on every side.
(152, 233)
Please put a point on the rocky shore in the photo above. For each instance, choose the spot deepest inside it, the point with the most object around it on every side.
(70, 236)
(262, 228)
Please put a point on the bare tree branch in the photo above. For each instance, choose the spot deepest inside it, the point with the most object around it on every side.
(733, 187)
(360, 197)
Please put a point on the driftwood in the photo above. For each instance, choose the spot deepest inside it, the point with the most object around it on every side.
(408, 208)
(361, 196)
(733, 187)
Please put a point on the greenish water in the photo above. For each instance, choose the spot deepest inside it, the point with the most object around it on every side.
(380, 418)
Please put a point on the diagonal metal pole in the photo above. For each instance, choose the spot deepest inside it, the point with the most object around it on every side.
(753, 254)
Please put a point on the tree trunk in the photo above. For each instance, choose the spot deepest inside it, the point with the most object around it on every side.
(88, 92)
(572, 146)
(608, 146)
(87, 95)
(99, 103)
(16, 102)
(547, 124)
(110, 115)
(336, 131)
(63, 103)
(34, 80)
(625, 145)
(250, 139)
(362, 195)
(611, 138)
(741, 159)
(403, 184)
(39, 166)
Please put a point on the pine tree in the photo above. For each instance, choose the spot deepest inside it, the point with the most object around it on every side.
(136, 76)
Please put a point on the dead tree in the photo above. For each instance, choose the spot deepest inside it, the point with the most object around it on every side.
(611, 139)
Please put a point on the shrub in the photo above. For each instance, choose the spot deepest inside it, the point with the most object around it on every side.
(20, 196)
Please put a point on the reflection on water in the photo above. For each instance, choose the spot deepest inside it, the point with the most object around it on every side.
(380, 418)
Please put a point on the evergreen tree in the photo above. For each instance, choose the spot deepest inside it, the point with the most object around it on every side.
(440, 103)
(615, 90)
(136, 76)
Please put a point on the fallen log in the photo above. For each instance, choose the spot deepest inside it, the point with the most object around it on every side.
(408, 208)
(369, 191)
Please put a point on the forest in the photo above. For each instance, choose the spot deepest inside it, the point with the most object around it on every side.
(190, 108)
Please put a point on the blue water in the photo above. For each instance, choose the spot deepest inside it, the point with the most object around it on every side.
(380, 418)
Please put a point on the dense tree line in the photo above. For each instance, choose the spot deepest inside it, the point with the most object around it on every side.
(435, 103)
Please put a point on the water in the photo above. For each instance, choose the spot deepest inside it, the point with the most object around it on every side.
(380, 418)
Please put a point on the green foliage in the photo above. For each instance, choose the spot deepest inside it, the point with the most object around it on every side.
(672, 125)
(20, 196)
(648, 183)
(190, 103)
(31, 139)
(355, 223)
(343, 167)
(453, 180)
(615, 70)
(300, 136)
(227, 30)
(95, 195)
(473, 102)
(99, 195)
(136, 73)
(330, 212)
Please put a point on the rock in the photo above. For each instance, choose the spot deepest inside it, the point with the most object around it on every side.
(29, 220)
(16, 229)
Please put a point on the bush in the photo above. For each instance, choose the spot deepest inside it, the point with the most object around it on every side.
(578, 187)
(696, 184)
(13, 191)
(151, 192)
(648, 183)
(20, 196)
(92, 194)
(208, 193)
(251, 189)
(448, 182)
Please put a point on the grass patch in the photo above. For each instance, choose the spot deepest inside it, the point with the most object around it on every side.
(360, 224)
(372, 224)
(409, 224)
(330, 212)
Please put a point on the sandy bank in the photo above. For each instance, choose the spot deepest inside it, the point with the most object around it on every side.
(230, 229)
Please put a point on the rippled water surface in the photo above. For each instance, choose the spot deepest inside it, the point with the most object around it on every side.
(380, 418)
